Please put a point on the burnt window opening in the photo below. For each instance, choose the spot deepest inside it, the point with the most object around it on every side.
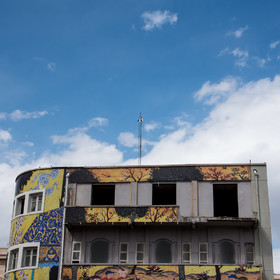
(225, 200)
(163, 252)
(103, 195)
(226, 252)
(164, 194)
(100, 251)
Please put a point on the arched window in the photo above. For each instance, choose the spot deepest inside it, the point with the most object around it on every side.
(226, 252)
(163, 252)
(100, 251)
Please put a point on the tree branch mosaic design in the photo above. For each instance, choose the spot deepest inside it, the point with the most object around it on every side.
(156, 272)
(163, 173)
(131, 214)
(226, 173)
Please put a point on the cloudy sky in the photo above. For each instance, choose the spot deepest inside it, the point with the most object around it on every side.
(74, 76)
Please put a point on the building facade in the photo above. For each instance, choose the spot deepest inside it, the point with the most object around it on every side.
(3, 261)
(142, 222)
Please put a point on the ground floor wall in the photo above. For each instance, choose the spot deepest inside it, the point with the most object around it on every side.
(152, 272)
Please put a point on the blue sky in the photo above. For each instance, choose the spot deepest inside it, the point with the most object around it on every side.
(74, 76)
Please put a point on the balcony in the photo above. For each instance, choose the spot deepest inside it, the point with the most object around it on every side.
(121, 214)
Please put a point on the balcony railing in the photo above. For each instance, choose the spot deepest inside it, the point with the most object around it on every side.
(119, 214)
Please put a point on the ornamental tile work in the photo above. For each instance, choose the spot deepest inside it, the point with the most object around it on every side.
(132, 214)
(45, 227)
(160, 174)
(86, 215)
(153, 272)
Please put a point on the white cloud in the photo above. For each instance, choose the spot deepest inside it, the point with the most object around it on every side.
(5, 136)
(3, 116)
(214, 92)
(239, 53)
(224, 51)
(81, 149)
(21, 115)
(98, 122)
(156, 19)
(242, 56)
(273, 45)
(238, 33)
(28, 144)
(261, 61)
(51, 66)
(151, 126)
(127, 139)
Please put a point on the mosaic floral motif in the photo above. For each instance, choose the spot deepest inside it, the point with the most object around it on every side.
(132, 214)
(46, 228)
(22, 275)
(43, 180)
(16, 231)
(154, 272)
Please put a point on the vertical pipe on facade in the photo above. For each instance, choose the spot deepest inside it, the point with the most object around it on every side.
(259, 215)
(197, 197)
(130, 193)
(192, 197)
(63, 226)
(136, 195)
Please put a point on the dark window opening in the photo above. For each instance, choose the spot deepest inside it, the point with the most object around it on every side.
(100, 252)
(164, 194)
(163, 252)
(103, 195)
(225, 200)
(20, 205)
(226, 252)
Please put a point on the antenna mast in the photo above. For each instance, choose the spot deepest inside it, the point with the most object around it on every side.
(140, 121)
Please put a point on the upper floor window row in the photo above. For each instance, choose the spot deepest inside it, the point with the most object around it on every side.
(162, 194)
(225, 197)
(29, 202)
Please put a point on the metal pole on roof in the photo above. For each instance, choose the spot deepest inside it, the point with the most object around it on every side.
(140, 121)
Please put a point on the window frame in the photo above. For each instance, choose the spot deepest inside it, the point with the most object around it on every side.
(20, 257)
(76, 251)
(123, 252)
(27, 197)
(140, 252)
(187, 252)
(246, 254)
(203, 252)
(36, 195)
(31, 256)
(20, 197)
(15, 260)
